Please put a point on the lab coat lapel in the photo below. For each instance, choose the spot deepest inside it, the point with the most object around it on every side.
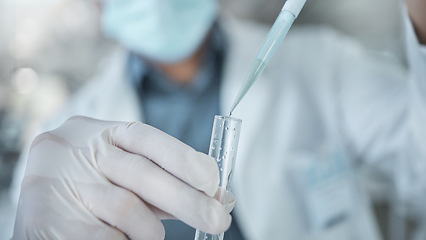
(120, 101)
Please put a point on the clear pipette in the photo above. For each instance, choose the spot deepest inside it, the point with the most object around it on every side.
(276, 35)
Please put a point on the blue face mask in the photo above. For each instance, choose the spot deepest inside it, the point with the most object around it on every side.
(165, 31)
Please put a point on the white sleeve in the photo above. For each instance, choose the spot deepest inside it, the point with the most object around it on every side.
(415, 182)
(416, 54)
(383, 106)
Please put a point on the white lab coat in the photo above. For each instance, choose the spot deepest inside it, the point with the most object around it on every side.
(320, 90)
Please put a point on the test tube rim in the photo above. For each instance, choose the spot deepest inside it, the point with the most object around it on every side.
(228, 118)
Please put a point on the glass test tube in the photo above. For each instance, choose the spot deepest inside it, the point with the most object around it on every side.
(223, 147)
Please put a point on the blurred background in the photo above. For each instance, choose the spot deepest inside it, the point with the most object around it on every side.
(50, 48)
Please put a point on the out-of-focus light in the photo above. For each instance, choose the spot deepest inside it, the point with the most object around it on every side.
(31, 2)
(25, 80)
(28, 38)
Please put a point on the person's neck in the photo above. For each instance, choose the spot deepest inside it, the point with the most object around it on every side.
(184, 72)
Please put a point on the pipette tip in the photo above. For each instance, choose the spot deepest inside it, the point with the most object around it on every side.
(233, 108)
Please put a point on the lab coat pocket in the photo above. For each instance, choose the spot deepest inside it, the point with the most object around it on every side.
(324, 188)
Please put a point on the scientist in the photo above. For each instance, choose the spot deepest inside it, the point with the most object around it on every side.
(321, 107)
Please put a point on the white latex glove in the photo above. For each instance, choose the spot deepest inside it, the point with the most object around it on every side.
(91, 179)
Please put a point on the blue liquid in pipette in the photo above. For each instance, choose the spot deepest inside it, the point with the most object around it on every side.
(275, 36)
(254, 72)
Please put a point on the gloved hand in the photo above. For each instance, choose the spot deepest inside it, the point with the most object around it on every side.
(91, 179)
